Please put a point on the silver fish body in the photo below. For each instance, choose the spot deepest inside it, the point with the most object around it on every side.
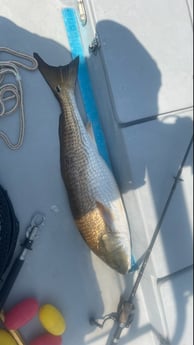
(92, 190)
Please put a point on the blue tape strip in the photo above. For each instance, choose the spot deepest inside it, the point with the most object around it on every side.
(74, 38)
(73, 33)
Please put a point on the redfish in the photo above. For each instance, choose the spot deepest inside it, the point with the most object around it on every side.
(93, 193)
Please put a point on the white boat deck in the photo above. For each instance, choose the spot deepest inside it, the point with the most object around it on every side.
(142, 80)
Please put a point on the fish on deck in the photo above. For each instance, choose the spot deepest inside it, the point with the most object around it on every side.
(94, 196)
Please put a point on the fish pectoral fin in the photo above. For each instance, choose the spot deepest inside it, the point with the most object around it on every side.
(110, 241)
(106, 214)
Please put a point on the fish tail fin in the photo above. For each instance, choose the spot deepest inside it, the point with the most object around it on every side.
(59, 78)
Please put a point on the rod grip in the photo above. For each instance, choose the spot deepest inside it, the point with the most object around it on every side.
(117, 335)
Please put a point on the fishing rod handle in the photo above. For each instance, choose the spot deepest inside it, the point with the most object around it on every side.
(10, 280)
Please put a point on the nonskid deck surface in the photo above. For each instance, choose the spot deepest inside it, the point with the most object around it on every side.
(142, 84)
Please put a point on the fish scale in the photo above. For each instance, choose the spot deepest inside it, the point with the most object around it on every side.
(74, 161)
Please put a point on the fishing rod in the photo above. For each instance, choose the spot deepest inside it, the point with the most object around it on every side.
(126, 309)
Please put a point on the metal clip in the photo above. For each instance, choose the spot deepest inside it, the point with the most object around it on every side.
(37, 220)
(31, 232)
(82, 12)
(94, 45)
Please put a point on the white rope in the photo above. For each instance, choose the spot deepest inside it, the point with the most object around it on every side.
(14, 92)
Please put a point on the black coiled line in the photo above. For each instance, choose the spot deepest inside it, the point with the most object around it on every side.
(11, 91)
(9, 229)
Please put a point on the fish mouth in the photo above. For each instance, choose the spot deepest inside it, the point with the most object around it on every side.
(120, 264)
(118, 260)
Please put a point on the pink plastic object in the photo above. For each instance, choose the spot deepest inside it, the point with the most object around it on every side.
(21, 314)
(47, 339)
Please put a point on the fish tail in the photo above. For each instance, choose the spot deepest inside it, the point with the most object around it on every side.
(59, 78)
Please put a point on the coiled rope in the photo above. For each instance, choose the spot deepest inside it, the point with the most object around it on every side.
(11, 91)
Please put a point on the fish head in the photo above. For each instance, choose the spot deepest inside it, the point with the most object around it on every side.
(115, 245)
(116, 251)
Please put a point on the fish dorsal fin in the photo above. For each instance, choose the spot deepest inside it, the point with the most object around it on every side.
(61, 77)
(107, 215)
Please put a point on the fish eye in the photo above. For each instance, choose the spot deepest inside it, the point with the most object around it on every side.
(58, 88)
